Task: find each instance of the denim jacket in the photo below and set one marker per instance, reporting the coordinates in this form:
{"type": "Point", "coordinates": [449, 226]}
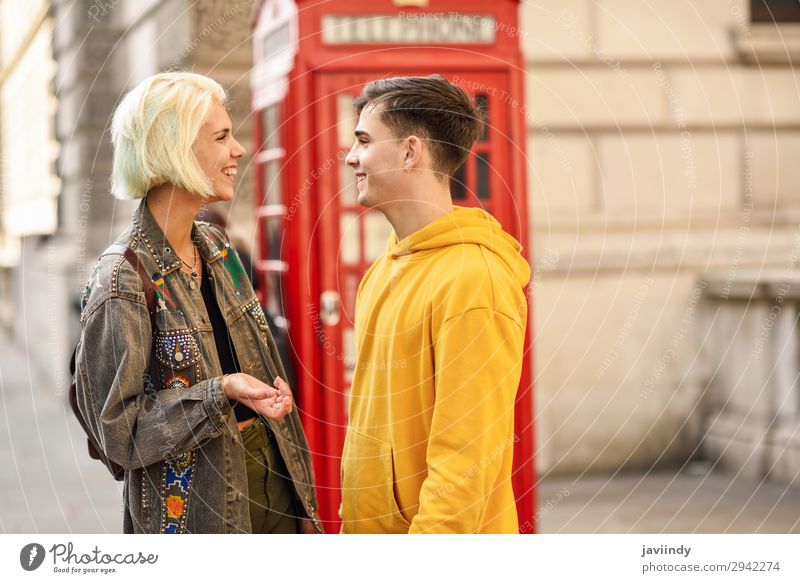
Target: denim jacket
{"type": "Point", "coordinates": [155, 401]}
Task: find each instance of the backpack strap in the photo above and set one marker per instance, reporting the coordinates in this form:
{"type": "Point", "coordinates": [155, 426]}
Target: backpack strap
{"type": "Point", "coordinates": [95, 449]}
{"type": "Point", "coordinates": [131, 257]}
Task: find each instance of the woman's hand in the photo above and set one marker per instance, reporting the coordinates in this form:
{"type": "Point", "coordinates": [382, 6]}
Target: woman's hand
{"type": "Point", "coordinates": [271, 402]}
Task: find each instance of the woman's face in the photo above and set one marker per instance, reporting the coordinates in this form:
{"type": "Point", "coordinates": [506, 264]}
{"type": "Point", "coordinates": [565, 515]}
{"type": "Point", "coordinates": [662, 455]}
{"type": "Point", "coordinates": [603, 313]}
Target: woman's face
{"type": "Point", "coordinates": [217, 152]}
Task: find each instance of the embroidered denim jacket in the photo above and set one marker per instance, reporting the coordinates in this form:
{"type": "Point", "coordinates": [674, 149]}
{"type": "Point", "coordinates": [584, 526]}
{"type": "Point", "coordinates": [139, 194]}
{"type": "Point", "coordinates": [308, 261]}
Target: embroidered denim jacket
{"type": "Point", "coordinates": [155, 401]}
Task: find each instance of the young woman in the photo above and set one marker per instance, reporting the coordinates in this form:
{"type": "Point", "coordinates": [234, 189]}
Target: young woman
{"type": "Point", "coordinates": [192, 405]}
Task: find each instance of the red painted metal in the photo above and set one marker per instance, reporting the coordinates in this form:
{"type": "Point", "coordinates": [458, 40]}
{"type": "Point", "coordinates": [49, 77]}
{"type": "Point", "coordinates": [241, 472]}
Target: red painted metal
{"type": "Point", "coordinates": [311, 238]}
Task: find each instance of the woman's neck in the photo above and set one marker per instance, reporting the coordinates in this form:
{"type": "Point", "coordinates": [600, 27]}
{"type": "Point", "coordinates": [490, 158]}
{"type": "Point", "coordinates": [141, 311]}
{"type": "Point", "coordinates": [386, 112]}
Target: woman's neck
{"type": "Point", "coordinates": [174, 209]}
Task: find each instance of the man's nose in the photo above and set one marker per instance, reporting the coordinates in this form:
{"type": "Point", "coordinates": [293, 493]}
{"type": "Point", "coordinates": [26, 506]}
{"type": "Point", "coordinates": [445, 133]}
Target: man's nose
{"type": "Point", "coordinates": [351, 159]}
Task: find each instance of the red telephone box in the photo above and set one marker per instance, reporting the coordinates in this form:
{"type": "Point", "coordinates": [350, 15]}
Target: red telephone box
{"type": "Point", "coordinates": [315, 243]}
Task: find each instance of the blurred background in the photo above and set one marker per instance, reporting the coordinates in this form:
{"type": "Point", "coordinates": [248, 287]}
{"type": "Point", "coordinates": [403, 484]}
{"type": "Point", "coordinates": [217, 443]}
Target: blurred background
{"type": "Point", "coordinates": [647, 154]}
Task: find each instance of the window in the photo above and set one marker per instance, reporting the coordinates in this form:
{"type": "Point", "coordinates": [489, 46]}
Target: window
{"type": "Point", "coordinates": [272, 209]}
{"type": "Point", "coordinates": [774, 11]}
{"type": "Point", "coordinates": [770, 37]}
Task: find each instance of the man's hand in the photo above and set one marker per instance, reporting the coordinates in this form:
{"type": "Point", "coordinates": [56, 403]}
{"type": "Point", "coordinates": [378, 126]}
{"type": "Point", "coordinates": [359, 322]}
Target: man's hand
{"type": "Point", "coordinates": [271, 402]}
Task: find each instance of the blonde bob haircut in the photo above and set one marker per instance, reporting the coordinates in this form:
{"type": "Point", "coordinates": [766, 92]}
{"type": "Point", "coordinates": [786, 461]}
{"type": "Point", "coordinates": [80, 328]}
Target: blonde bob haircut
{"type": "Point", "coordinates": [153, 132]}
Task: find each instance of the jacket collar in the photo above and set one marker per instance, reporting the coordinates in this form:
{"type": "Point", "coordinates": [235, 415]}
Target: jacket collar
{"type": "Point", "coordinates": [156, 242]}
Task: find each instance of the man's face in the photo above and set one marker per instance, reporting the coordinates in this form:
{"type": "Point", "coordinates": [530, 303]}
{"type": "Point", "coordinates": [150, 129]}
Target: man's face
{"type": "Point", "coordinates": [377, 159]}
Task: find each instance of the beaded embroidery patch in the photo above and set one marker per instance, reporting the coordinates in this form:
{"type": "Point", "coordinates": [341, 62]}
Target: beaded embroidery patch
{"type": "Point", "coordinates": [161, 289]}
{"type": "Point", "coordinates": [230, 259]}
{"type": "Point", "coordinates": [177, 381]}
{"type": "Point", "coordinates": [176, 480]}
{"type": "Point", "coordinates": [177, 350]}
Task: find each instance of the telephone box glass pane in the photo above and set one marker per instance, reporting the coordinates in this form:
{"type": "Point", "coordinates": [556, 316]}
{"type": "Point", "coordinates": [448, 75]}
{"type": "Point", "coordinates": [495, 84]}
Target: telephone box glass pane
{"type": "Point", "coordinates": [270, 130]}
{"type": "Point", "coordinates": [349, 237]}
{"type": "Point", "coordinates": [347, 119]}
{"type": "Point", "coordinates": [272, 182]}
{"type": "Point", "coordinates": [377, 231]}
{"type": "Point", "coordinates": [272, 228]}
{"type": "Point", "coordinates": [458, 184]}
{"type": "Point", "coordinates": [483, 103]}
{"type": "Point", "coordinates": [483, 175]}
{"type": "Point", "coordinates": [347, 185]}
{"type": "Point", "coordinates": [274, 306]}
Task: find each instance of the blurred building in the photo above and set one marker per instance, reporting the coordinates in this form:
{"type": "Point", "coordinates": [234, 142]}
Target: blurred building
{"type": "Point", "coordinates": [29, 185]}
{"type": "Point", "coordinates": [57, 211]}
{"type": "Point", "coordinates": [663, 175]}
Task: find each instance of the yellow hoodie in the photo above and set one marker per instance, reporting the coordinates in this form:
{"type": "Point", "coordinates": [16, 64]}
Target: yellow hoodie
{"type": "Point", "coordinates": [440, 326]}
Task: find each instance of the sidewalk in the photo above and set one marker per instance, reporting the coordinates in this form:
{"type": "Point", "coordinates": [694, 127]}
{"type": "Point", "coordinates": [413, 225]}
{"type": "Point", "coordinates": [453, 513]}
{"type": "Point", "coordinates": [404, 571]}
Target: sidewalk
{"type": "Point", "coordinates": [50, 485]}
{"type": "Point", "coordinates": [667, 502]}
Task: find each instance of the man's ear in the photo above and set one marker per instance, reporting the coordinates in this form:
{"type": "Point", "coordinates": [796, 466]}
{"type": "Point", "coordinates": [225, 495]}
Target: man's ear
{"type": "Point", "coordinates": [414, 151]}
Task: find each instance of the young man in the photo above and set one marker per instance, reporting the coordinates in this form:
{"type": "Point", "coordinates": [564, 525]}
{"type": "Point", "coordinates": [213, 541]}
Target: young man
{"type": "Point", "coordinates": [440, 323]}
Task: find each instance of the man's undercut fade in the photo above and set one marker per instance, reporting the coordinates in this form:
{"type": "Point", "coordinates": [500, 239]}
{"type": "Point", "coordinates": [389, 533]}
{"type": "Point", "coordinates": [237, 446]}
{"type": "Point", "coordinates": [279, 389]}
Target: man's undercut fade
{"type": "Point", "coordinates": [432, 108]}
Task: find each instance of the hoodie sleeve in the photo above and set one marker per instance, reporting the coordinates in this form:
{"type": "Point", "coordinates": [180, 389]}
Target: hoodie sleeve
{"type": "Point", "coordinates": [478, 365]}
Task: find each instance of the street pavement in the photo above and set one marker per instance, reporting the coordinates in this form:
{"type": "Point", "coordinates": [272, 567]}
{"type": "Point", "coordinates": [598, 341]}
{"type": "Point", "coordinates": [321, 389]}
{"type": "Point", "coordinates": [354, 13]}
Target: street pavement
{"type": "Point", "coordinates": [50, 485]}
{"type": "Point", "coordinates": [695, 500]}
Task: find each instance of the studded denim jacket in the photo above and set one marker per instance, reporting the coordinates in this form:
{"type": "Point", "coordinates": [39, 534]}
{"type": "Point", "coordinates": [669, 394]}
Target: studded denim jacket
{"type": "Point", "coordinates": [155, 401]}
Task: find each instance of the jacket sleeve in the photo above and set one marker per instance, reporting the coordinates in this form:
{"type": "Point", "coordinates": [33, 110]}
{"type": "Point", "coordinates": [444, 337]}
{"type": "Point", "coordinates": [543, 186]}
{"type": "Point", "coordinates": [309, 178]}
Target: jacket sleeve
{"type": "Point", "coordinates": [136, 424]}
{"type": "Point", "coordinates": [477, 370]}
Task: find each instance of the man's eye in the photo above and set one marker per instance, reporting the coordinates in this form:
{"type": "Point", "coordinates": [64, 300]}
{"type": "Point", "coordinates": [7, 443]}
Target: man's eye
{"type": "Point", "coordinates": [221, 139]}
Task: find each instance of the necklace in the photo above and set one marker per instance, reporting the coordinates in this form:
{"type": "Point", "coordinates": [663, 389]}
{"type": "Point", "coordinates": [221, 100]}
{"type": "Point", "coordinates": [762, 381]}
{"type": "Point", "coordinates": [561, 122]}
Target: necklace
{"type": "Point", "coordinates": [193, 281]}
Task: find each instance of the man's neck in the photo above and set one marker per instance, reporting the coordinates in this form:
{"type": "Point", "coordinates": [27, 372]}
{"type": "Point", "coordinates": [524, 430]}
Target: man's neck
{"type": "Point", "coordinates": [412, 214]}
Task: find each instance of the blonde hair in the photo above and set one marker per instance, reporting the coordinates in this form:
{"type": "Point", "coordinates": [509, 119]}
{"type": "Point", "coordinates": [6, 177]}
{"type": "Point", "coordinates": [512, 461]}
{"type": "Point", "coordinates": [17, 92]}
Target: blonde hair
{"type": "Point", "coordinates": [153, 130]}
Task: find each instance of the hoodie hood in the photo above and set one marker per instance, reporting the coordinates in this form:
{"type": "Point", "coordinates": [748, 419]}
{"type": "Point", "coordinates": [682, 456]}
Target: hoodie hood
{"type": "Point", "coordinates": [465, 225]}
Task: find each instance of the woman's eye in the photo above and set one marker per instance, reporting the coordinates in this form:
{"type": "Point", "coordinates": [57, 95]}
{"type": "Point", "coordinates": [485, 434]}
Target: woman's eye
{"type": "Point", "coordinates": [221, 139]}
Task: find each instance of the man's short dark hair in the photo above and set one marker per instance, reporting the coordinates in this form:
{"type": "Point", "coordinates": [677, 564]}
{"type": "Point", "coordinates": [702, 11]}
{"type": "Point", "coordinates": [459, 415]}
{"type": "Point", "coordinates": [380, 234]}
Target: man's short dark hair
{"type": "Point", "coordinates": [433, 109]}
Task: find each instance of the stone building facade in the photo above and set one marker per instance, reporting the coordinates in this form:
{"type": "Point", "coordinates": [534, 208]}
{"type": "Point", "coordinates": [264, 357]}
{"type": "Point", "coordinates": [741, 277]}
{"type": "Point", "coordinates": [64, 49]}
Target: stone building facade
{"type": "Point", "coordinates": [664, 145]}
{"type": "Point", "coordinates": [101, 49]}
